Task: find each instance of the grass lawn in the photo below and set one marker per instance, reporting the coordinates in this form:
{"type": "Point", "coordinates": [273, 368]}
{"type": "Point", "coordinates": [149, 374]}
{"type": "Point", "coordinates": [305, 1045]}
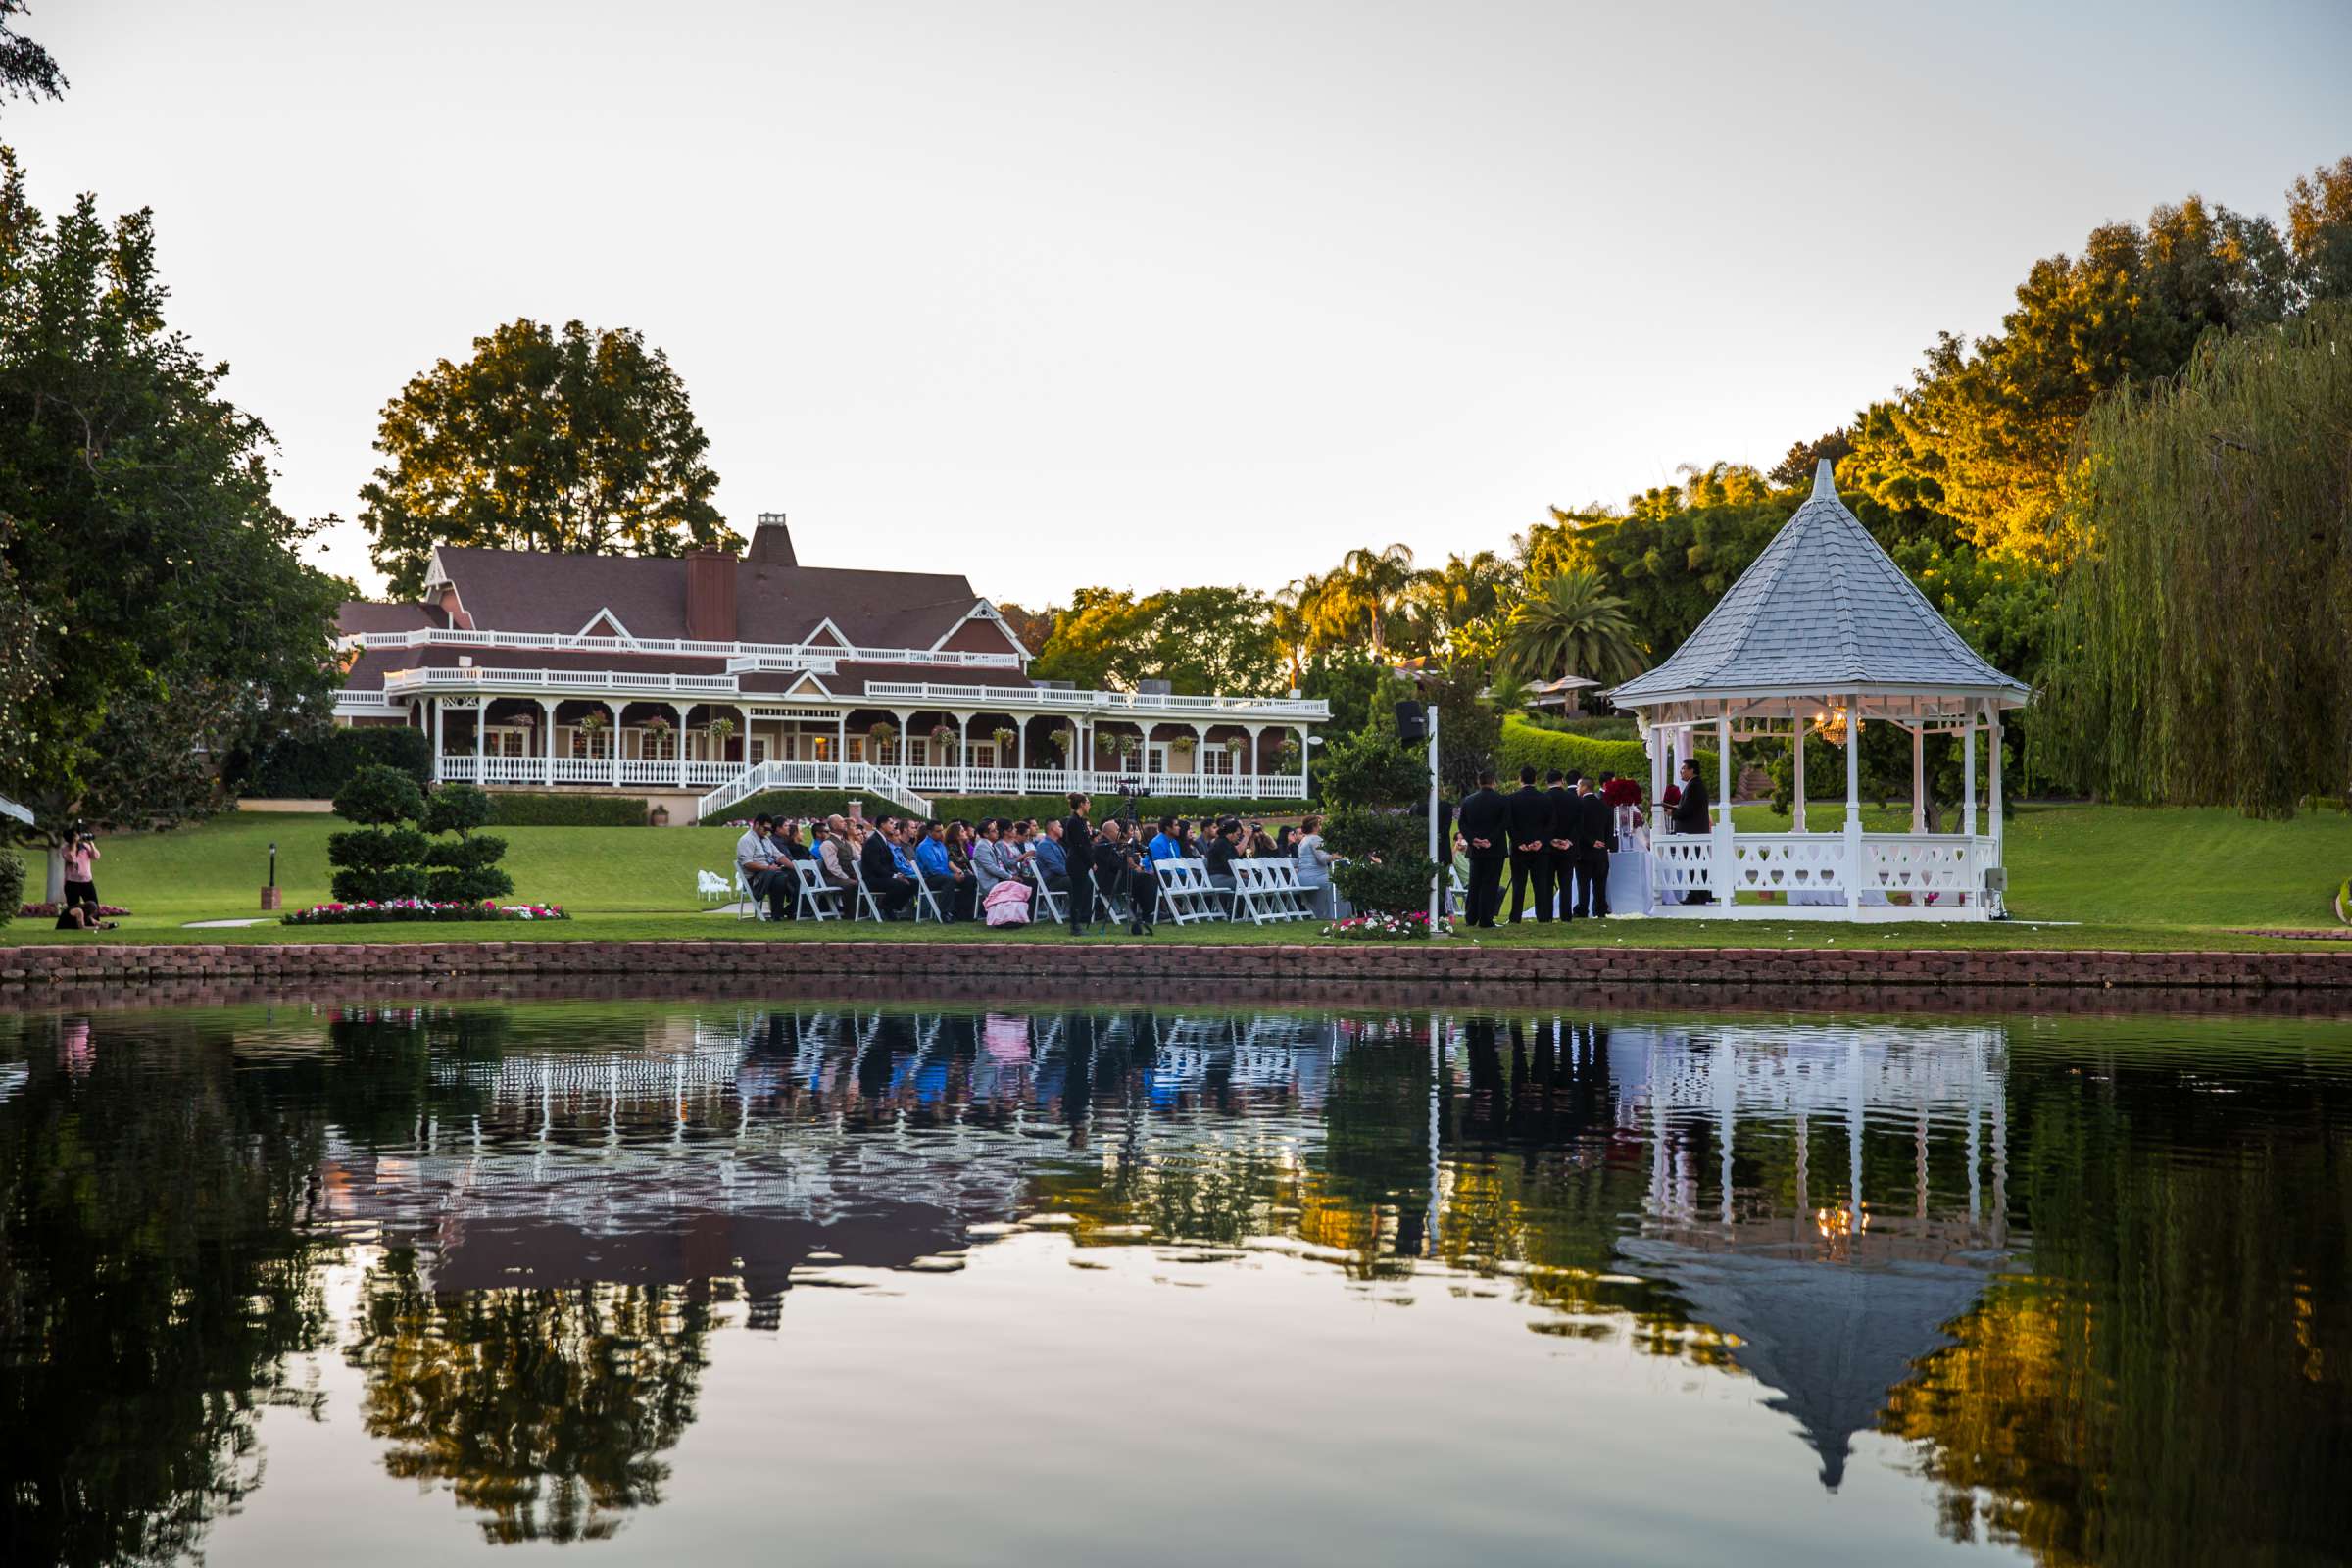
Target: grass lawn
{"type": "Point", "coordinates": [2124, 877]}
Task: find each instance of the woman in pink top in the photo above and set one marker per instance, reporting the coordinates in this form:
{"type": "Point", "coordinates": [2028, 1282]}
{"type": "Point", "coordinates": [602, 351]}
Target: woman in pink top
{"type": "Point", "coordinates": [82, 863]}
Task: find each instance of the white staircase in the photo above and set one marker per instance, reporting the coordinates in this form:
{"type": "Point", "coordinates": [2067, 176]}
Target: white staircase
{"type": "Point", "coordinates": [861, 777]}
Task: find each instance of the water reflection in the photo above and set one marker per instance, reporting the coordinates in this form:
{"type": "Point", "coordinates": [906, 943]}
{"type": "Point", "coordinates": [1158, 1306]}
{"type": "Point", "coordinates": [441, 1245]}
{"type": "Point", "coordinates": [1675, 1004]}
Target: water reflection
{"type": "Point", "coordinates": [2086, 1283]}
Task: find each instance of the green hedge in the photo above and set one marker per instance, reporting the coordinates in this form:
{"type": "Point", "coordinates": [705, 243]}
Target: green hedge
{"type": "Point", "coordinates": [1522, 744]}
{"type": "Point", "coordinates": [12, 885]}
{"type": "Point", "coordinates": [567, 811]}
{"type": "Point", "coordinates": [314, 767]}
{"type": "Point", "coordinates": [803, 803]}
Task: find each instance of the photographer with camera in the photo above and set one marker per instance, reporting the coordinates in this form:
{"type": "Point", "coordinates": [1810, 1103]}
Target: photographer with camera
{"type": "Point", "coordinates": [80, 909]}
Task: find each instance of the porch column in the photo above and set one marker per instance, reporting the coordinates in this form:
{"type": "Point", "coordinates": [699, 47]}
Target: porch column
{"type": "Point", "coordinates": [841, 748]}
{"type": "Point", "coordinates": [1919, 778]}
{"type": "Point", "coordinates": [616, 707]}
{"type": "Point", "coordinates": [1021, 754]}
{"type": "Point", "coordinates": [436, 701]}
{"type": "Point", "coordinates": [1256, 751]}
{"type": "Point", "coordinates": [547, 709]}
{"type": "Point", "coordinates": [681, 709]}
{"type": "Point", "coordinates": [1305, 752]}
{"type": "Point", "coordinates": [964, 753]}
{"type": "Point", "coordinates": [481, 721]}
{"type": "Point", "coordinates": [1200, 754]}
{"type": "Point", "coordinates": [1853, 803]}
{"type": "Point", "coordinates": [1720, 872]}
{"type": "Point", "coordinates": [1796, 804]}
{"type": "Point", "coordinates": [1968, 773]}
{"type": "Point", "coordinates": [1992, 789]}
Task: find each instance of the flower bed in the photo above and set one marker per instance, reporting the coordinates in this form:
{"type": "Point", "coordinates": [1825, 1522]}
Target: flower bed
{"type": "Point", "coordinates": [408, 909]}
{"type": "Point", "coordinates": [1412, 927]}
{"type": "Point", "coordinates": [48, 912]}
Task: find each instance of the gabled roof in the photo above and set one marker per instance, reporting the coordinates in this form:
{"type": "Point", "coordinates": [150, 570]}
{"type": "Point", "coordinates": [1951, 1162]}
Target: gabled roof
{"type": "Point", "coordinates": [1823, 610]}
{"type": "Point", "coordinates": [533, 591]}
{"type": "Point", "coordinates": [361, 614]}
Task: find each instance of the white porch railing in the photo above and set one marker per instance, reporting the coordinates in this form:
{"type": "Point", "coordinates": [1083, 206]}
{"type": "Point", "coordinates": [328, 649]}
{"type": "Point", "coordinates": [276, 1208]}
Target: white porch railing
{"type": "Point", "coordinates": [748, 655]}
{"type": "Point", "coordinates": [813, 776]}
{"type": "Point", "coordinates": [464, 768]}
{"type": "Point", "coordinates": [592, 682]}
{"type": "Point", "coordinates": [1815, 870]}
{"type": "Point", "coordinates": [997, 699]}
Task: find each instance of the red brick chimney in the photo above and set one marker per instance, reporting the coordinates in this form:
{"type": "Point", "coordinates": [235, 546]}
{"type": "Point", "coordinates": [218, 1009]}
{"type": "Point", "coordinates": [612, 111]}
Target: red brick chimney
{"type": "Point", "coordinates": [710, 596]}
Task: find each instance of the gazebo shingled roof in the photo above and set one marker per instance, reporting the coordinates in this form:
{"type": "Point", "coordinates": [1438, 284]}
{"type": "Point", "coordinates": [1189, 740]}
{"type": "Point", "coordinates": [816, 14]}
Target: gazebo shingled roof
{"type": "Point", "coordinates": [1821, 609]}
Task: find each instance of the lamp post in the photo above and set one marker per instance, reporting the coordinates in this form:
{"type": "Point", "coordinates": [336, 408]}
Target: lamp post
{"type": "Point", "coordinates": [270, 895]}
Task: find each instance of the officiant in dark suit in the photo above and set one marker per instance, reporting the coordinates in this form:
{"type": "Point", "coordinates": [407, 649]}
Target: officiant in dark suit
{"type": "Point", "coordinates": [1690, 816]}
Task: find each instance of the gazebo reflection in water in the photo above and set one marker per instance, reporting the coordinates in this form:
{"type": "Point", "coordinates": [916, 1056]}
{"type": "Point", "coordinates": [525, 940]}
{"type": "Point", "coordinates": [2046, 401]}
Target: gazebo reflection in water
{"type": "Point", "coordinates": [1819, 1198]}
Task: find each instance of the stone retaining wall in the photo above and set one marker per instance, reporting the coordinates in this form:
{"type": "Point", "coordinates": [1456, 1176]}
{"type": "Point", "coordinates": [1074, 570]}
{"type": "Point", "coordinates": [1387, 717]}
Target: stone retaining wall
{"type": "Point", "coordinates": [1088, 963]}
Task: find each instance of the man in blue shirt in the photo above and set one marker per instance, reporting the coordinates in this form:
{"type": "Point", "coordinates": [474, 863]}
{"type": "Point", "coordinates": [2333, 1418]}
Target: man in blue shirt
{"type": "Point", "coordinates": [1164, 845]}
{"type": "Point", "coordinates": [1053, 857]}
{"type": "Point", "coordinates": [950, 886]}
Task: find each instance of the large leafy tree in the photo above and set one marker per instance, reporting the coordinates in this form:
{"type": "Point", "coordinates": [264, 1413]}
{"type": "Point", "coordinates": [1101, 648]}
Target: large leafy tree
{"type": "Point", "coordinates": [165, 615]}
{"type": "Point", "coordinates": [577, 442]}
{"type": "Point", "coordinates": [1197, 639]}
{"type": "Point", "coordinates": [26, 69]}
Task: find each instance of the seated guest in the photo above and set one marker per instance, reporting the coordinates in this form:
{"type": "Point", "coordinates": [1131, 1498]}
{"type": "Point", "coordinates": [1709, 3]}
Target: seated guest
{"type": "Point", "coordinates": [990, 866]}
{"type": "Point", "coordinates": [879, 861]}
{"type": "Point", "coordinates": [1119, 867]}
{"type": "Point", "coordinates": [1164, 844]}
{"type": "Point", "coordinates": [949, 883]}
{"type": "Point", "coordinates": [1262, 843]}
{"type": "Point", "coordinates": [1050, 856]}
{"type": "Point", "coordinates": [1223, 848]}
{"type": "Point", "coordinates": [833, 852]}
{"type": "Point", "coordinates": [1315, 867]}
{"type": "Point", "coordinates": [766, 874]}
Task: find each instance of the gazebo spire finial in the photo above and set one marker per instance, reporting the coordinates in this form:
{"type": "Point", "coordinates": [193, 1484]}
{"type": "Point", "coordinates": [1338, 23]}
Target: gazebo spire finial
{"type": "Point", "coordinates": [1825, 488]}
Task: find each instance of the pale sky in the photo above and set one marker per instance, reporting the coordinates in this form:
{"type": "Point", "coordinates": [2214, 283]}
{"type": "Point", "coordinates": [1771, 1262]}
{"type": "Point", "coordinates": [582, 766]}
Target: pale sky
{"type": "Point", "coordinates": [1151, 295]}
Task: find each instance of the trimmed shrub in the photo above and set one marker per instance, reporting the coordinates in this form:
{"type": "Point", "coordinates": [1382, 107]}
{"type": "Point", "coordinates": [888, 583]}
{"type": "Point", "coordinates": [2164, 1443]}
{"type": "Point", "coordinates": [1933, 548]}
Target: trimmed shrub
{"type": "Point", "coordinates": [1375, 783]}
{"type": "Point", "coordinates": [12, 885]}
{"type": "Point", "coordinates": [801, 804]}
{"type": "Point", "coordinates": [314, 768]}
{"type": "Point", "coordinates": [1524, 744]}
{"type": "Point", "coordinates": [467, 872]}
{"type": "Point", "coordinates": [541, 810]}
{"type": "Point", "coordinates": [378, 795]}
{"type": "Point", "coordinates": [457, 809]}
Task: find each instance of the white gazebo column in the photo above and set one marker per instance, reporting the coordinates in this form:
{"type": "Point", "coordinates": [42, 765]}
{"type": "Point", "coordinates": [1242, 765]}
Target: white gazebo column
{"type": "Point", "coordinates": [1721, 878]}
{"type": "Point", "coordinates": [1968, 772]}
{"type": "Point", "coordinates": [547, 709]}
{"type": "Point", "coordinates": [436, 705]}
{"type": "Point", "coordinates": [1993, 789]}
{"type": "Point", "coordinates": [1853, 803]}
{"type": "Point", "coordinates": [1919, 778]}
{"type": "Point", "coordinates": [681, 709]}
{"type": "Point", "coordinates": [1796, 802]}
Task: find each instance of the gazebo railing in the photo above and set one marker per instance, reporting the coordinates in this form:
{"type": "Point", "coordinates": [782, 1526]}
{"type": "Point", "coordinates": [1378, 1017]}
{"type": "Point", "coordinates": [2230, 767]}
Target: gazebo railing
{"type": "Point", "coordinates": [1951, 867]}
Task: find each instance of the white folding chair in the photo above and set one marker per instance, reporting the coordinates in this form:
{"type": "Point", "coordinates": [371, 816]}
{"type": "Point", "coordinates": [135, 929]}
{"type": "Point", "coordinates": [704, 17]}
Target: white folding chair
{"type": "Point", "coordinates": [924, 899]}
{"type": "Point", "coordinates": [865, 894]}
{"type": "Point", "coordinates": [1048, 900]}
{"type": "Point", "coordinates": [816, 898]}
{"type": "Point", "coordinates": [748, 906]}
{"type": "Point", "coordinates": [710, 887]}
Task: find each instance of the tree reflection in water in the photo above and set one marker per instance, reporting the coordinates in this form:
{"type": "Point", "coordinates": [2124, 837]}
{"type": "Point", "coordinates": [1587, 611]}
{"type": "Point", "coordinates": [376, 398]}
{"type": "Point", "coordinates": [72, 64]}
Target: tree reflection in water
{"type": "Point", "coordinates": [153, 1283]}
{"type": "Point", "coordinates": [2102, 1283]}
{"type": "Point", "coordinates": [542, 1408]}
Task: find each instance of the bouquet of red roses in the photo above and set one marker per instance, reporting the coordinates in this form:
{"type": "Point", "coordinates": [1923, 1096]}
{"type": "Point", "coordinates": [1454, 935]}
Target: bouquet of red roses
{"type": "Point", "coordinates": [1621, 792]}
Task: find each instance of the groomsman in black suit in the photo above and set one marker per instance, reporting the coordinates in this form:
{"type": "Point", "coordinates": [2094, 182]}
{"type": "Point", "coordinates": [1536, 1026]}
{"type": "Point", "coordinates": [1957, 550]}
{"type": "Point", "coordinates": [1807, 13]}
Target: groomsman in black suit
{"type": "Point", "coordinates": [1559, 837]}
{"type": "Point", "coordinates": [1595, 827]}
{"type": "Point", "coordinates": [1482, 822]}
{"type": "Point", "coordinates": [1529, 816]}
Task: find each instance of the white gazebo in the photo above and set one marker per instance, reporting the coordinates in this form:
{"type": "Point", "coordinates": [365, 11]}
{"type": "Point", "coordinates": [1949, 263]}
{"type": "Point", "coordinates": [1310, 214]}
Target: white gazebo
{"type": "Point", "coordinates": [1825, 634]}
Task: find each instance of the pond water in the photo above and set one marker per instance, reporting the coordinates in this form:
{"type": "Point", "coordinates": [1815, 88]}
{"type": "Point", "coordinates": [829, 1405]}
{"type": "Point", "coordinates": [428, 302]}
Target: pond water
{"type": "Point", "coordinates": [831, 1281]}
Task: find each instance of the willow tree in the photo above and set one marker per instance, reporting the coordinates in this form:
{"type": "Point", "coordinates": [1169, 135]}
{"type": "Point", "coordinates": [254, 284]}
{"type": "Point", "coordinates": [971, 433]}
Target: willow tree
{"type": "Point", "coordinates": [2203, 651]}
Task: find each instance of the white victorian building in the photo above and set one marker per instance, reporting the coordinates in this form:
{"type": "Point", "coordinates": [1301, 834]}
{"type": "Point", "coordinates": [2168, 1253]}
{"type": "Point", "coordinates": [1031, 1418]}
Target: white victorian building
{"type": "Point", "coordinates": [1824, 634]}
{"type": "Point", "coordinates": [700, 681]}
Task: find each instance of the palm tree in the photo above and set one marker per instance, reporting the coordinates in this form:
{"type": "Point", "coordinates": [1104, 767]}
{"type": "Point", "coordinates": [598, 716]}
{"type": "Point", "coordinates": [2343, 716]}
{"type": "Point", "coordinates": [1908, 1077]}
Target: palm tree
{"type": "Point", "coordinates": [1375, 581]}
{"type": "Point", "coordinates": [1569, 625]}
